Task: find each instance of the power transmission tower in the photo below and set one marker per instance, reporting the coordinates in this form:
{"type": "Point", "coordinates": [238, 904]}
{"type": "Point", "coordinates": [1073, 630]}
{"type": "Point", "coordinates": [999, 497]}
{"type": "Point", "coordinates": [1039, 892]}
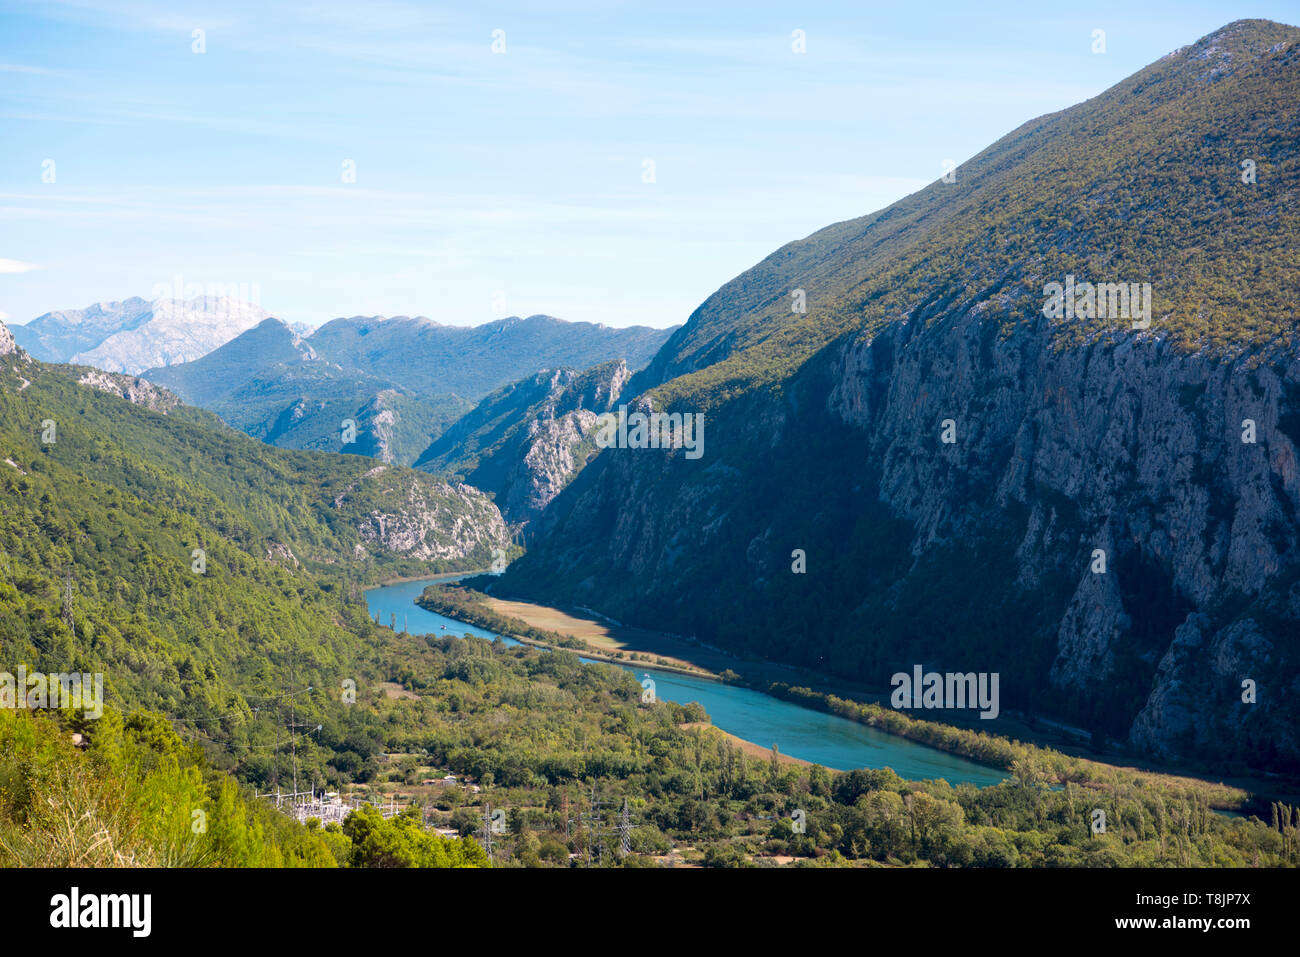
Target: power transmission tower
{"type": "Point", "coordinates": [486, 839]}
{"type": "Point", "coordinates": [293, 725]}
{"type": "Point", "coordinates": [275, 759]}
{"type": "Point", "coordinates": [593, 820]}
{"type": "Point", "coordinates": [624, 829]}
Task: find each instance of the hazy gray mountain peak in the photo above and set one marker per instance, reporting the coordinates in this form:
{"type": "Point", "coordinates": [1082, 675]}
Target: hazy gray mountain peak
{"type": "Point", "coordinates": [135, 334]}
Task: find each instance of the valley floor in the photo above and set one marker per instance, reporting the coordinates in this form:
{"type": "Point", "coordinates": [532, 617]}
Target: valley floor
{"type": "Point", "coordinates": [617, 643]}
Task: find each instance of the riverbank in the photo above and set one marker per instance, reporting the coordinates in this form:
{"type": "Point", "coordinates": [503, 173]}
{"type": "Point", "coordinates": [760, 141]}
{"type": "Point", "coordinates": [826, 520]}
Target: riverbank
{"type": "Point", "coordinates": [827, 740]}
{"type": "Point", "coordinates": [442, 577]}
{"type": "Point", "coordinates": [1043, 741]}
{"type": "Point", "coordinates": [548, 629]}
{"type": "Point", "coordinates": [750, 748]}
{"type": "Point", "coordinates": [605, 640]}
{"type": "Point", "coordinates": [1039, 746]}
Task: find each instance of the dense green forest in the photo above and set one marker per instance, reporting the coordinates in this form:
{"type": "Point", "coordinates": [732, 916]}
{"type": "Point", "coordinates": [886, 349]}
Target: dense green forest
{"type": "Point", "coordinates": [239, 676]}
{"type": "Point", "coordinates": [542, 735]}
{"type": "Point", "coordinates": [207, 577]}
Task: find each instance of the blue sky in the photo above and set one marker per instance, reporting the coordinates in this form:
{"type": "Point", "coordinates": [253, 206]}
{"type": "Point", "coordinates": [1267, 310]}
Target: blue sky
{"type": "Point", "coordinates": [491, 184]}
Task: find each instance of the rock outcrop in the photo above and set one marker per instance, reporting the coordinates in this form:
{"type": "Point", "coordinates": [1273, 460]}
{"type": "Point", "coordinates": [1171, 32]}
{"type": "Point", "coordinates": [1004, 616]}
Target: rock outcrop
{"type": "Point", "coordinates": [524, 444]}
{"type": "Point", "coordinates": [131, 388]}
{"type": "Point", "coordinates": [407, 513]}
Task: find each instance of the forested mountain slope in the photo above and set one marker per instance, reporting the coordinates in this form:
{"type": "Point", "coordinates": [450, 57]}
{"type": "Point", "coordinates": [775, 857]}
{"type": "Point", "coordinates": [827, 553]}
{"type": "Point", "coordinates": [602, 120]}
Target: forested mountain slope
{"type": "Point", "coordinates": [471, 361]}
{"type": "Point", "coordinates": [201, 572]}
{"type": "Point", "coordinates": [270, 383]}
{"type": "Point", "coordinates": [951, 459]}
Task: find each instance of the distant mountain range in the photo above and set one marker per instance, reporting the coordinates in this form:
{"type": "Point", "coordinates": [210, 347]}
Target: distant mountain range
{"type": "Point", "coordinates": [912, 457]}
{"type": "Point", "coordinates": [137, 334]}
{"type": "Point", "coordinates": [398, 381]}
{"type": "Point", "coordinates": [471, 361]}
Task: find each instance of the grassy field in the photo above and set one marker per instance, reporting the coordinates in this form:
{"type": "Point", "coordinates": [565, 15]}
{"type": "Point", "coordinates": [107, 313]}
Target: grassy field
{"type": "Point", "coordinates": [609, 639]}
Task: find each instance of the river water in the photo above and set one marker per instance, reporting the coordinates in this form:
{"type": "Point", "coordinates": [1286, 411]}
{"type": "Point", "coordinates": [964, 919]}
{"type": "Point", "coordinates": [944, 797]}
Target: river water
{"type": "Point", "coordinates": [800, 732]}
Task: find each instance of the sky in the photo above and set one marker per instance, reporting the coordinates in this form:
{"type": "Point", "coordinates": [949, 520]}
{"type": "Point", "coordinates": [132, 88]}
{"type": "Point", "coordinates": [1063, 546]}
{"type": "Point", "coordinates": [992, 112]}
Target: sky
{"type": "Point", "coordinates": [603, 162]}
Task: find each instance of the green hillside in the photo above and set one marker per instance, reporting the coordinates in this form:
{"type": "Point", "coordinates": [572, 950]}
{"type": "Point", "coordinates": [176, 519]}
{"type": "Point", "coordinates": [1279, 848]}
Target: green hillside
{"type": "Point", "coordinates": [269, 383]}
{"type": "Point", "coordinates": [1140, 184]}
{"type": "Point", "coordinates": [1071, 435]}
{"type": "Point", "coordinates": [114, 509]}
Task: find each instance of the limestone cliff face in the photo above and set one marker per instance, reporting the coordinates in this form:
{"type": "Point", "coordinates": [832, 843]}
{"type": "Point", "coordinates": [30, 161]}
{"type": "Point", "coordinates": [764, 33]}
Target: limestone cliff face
{"type": "Point", "coordinates": [7, 344]}
{"type": "Point", "coordinates": [407, 513]}
{"type": "Point", "coordinates": [559, 440]}
{"type": "Point", "coordinates": [551, 459]}
{"type": "Point", "coordinates": [526, 443]}
{"type": "Point", "coordinates": [1097, 531]}
{"type": "Point", "coordinates": [132, 388]}
{"type": "Point", "coordinates": [1176, 470]}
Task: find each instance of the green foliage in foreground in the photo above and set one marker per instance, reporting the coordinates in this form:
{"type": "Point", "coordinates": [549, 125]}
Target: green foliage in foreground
{"type": "Point", "coordinates": [138, 796]}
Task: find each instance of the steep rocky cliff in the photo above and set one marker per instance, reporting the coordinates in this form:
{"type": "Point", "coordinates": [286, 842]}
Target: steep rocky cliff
{"type": "Point", "coordinates": [930, 467]}
{"type": "Point", "coordinates": [402, 512]}
{"type": "Point", "coordinates": [132, 388]}
{"type": "Point", "coordinates": [524, 443]}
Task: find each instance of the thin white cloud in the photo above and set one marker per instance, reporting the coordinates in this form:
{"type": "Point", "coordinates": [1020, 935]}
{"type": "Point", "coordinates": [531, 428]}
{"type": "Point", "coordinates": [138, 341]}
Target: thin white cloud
{"type": "Point", "coordinates": [16, 265]}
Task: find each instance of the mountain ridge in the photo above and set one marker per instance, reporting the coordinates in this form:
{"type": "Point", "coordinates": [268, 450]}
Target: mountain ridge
{"type": "Point", "coordinates": [399, 381]}
{"type": "Point", "coordinates": [1065, 436]}
{"type": "Point", "coordinates": [856, 272]}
